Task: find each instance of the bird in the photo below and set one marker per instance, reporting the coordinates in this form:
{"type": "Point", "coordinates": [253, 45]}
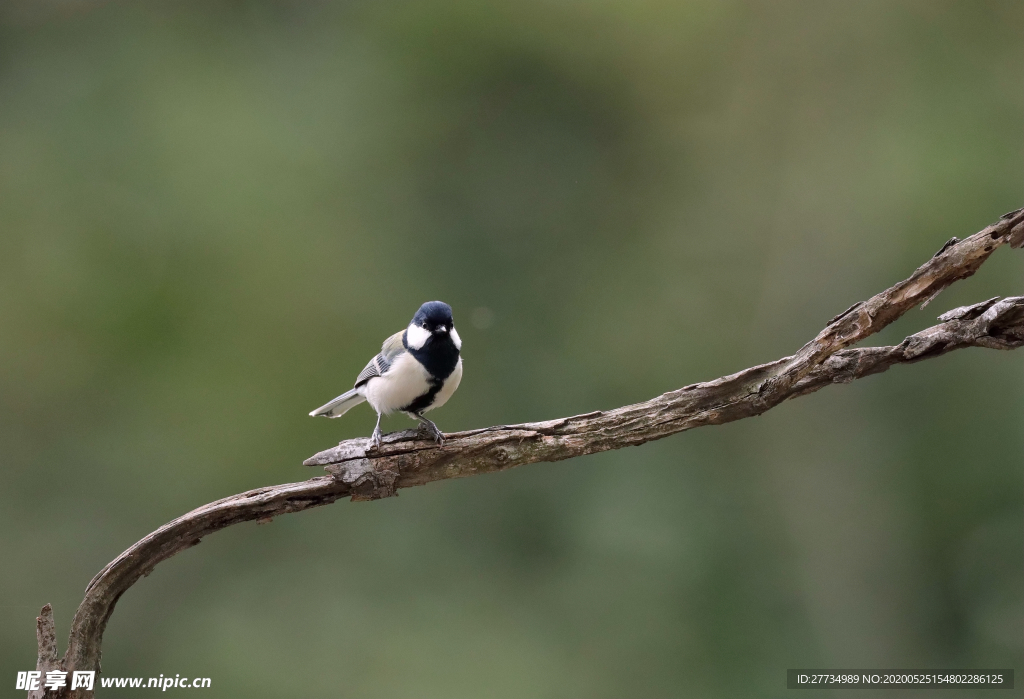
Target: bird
{"type": "Point", "coordinates": [417, 370]}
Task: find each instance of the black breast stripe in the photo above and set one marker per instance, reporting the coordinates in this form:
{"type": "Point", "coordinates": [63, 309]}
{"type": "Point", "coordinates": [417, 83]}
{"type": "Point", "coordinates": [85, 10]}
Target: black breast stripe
{"type": "Point", "coordinates": [439, 356]}
{"type": "Point", "coordinates": [426, 400]}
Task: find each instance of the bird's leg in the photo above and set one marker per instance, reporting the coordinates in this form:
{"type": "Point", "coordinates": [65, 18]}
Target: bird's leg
{"type": "Point", "coordinates": [376, 437]}
{"type": "Point", "coordinates": [431, 429]}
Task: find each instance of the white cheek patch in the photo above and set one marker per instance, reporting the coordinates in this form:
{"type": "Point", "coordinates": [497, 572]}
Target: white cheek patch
{"type": "Point", "coordinates": [416, 336]}
{"type": "Point", "coordinates": [456, 339]}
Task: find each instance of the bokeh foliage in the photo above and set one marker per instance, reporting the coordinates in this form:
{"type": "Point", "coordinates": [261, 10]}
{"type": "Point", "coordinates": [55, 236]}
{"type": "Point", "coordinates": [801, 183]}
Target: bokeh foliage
{"type": "Point", "coordinates": [211, 213]}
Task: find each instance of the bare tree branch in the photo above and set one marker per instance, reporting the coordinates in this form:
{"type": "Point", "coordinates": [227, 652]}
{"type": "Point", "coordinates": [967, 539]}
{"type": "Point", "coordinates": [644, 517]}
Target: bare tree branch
{"type": "Point", "coordinates": [406, 459]}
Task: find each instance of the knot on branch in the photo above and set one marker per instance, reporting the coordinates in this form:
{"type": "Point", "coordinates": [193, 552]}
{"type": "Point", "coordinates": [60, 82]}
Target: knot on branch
{"type": "Point", "coordinates": [366, 481]}
{"type": "Point", "coordinates": [968, 312]}
{"type": "Point", "coordinates": [1003, 324]}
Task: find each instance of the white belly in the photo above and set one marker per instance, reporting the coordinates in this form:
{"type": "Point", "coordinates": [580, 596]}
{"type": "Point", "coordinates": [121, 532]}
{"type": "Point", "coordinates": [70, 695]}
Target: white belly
{"type": "Point", "coordinates": [403, 383]}
{"type": "Point", "coordinates": [449, 386]}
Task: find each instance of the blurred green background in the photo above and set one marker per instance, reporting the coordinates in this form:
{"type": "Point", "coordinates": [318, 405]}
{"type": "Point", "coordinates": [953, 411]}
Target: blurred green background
{"type": "Point", "coordinates": [211, 214]}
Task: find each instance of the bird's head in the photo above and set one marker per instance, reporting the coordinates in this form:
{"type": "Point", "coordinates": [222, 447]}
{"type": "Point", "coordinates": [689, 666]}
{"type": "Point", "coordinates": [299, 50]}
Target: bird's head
{"type": "Point", "coordinates": [435, 317]}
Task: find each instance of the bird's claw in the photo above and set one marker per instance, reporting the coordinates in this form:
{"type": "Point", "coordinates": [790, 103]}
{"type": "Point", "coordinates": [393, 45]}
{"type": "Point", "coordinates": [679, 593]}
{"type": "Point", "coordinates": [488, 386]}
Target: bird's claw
{"type": "Point", "coordinates": [432, 431]}
{"type": "Point", "coordinates": [375, 439]}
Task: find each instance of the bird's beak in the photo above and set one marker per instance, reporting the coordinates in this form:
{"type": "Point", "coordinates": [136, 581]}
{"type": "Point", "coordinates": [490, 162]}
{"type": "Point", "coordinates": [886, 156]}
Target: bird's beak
{"type": "Point", "coordinates": [441, 329]}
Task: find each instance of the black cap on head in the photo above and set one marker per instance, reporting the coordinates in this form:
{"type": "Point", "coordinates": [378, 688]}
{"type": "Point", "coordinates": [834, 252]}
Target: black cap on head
{"type": "Point", "coordinates": [434, 314]}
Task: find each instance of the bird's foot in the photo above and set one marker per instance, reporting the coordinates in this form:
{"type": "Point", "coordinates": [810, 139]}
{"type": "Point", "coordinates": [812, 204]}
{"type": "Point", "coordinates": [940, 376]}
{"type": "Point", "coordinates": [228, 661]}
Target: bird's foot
{"type": "Point", "coordinates": [431, 430]}
{"type": "Point", "coordinates": [375, 438]}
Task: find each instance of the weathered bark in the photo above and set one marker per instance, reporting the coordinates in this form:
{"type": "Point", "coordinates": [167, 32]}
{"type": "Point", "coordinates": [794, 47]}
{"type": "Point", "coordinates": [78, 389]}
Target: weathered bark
{"type": "Point", "coordinates": [406, 459]}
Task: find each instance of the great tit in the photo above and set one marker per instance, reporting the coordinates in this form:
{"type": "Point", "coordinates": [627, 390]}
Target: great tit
{"type": "Point", "coordinates": [418, 369]}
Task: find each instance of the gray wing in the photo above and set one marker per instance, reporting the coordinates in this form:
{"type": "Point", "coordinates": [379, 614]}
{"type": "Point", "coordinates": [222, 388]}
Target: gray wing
{"type": "Point", "coordinates": [389, 351]}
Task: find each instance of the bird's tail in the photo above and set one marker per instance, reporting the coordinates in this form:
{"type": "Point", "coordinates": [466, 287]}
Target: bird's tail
{"type": "Point", "coordinates": [340, 405]}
